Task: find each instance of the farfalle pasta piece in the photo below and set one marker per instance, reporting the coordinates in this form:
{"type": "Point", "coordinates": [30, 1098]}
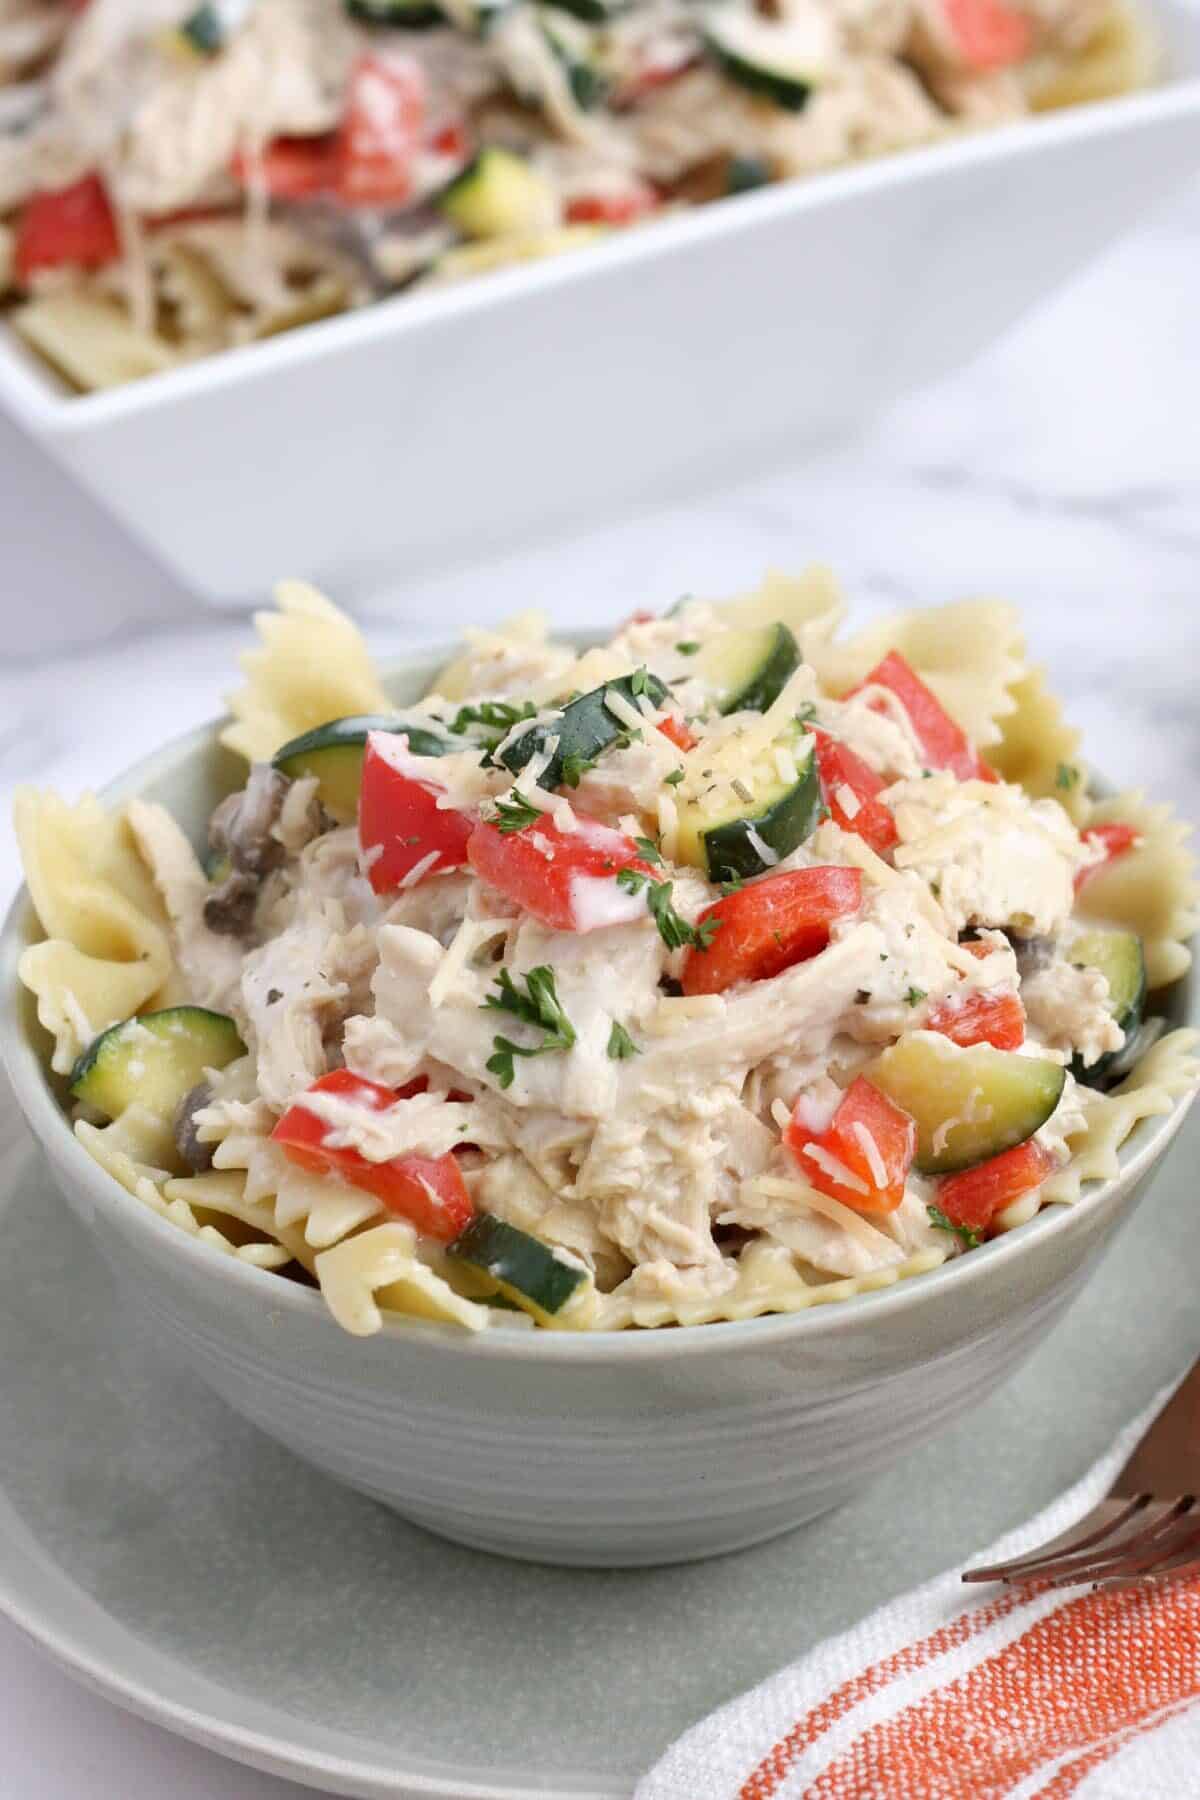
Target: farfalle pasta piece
{"type": "Point", "coordinates": [1150, 889]}
{"type": "Point", "coordinates": [380, 1268]}
{"type": "Point", "coordinates": [1038, 750]}
{"type": "Point", "coordinates": [138, 1151]}
{"type": "Point", "coordinates": [312, 666]}
{"type": "Point", "coordinates": [969, 653]}
{"type": "Point", "coordinates": [1167, 1071]}
{"type": "Point", "coordinates": [107, 951]}
{"type": "Point", "coordinates": [809, 604]}
{"type": "Point", "coordinates": [90, 341]}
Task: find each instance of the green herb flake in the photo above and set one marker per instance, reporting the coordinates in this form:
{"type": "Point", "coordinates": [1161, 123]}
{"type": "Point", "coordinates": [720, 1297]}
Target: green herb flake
{"type": "Point", "coordinates": [620, 1045]}
{"type": "Point", "coordinates": [733, 887]}
{"type": "Point", "coordinates": [689, 647]}
{"type": "Point", "coordinates": [637, 682]}
{"type": "Point", "coordinates": [804, 715]}
{"type": "Point", "coordinates": [674, 930]}
{"type": "Point", "coordinates": [971, 1240]}
{"type": "Point", "coordinates": [915, 995]}
{"type": "Point", "coordinates": [514, 813]}
{"type": "Point", "coordinates": [1066, 775]}
{"type": "Point", "coordinates": [674, 778]}
{"type": "Point", "coordinates": [538, 1006]}
{"type": "Point", "coordinates": [575, 767]}
{"type": "Point", "coordinates": [649, 849]}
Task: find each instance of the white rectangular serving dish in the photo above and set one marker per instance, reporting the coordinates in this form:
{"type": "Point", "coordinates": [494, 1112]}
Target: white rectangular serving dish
{"type": "Point", "coordinates": [432, 428]}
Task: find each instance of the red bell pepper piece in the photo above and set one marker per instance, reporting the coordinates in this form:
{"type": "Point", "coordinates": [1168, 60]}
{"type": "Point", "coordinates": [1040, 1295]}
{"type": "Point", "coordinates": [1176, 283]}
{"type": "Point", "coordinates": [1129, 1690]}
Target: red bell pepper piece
{"type": "Point", "coordinates": [973, 1198]}
{"type": "Point", "coordinates": [980, 1018]}
{"type": "Point", "coordinates": [567, 879]}
{"type": "Point", "coordinates": [400, 822]}
{"type": "Point", "coordinates": [1115, 838]}
{"type": "Point", "coordinates": [632, 203]}
{"type": "Point", "coordinates": [428, 1191]}
{"type": "Point", "coordinates": [862, 1154]}
{"type": "Point", "coordinates": [66, 227]}
{"type": "Point", "coordinates": [679, 732]}
{"type": "Point", "coordinates": [290, 168]}
{"type": "Point", "coordinates": [988, 34]}
{"type": "Point", "coordinates": [839, 767]}
{"type": "Point", "coordinates": [767, 927]}
{"type": "Point", "coordinates": [944, 744]}
{"type": "Point", "coordinates": [381, 131]}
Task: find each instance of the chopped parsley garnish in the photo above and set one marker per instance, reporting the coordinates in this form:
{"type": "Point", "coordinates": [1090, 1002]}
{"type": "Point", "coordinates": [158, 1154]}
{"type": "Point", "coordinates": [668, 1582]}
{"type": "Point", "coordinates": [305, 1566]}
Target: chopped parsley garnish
{"type": "Point", "coordinates": [649, 849]}
{"type": "Point", "coordinates": [638, 681]}
{"type": "Point", "coordinates": [538, 1006]}
{"type": "Point", "coordinates": [971, 1239]}
{"type": "Point", "coordinates": [806, 713]}
{"type": "Point", "coordinates": [496, 716]}
{"type": "Point", "coordinates": [514, 813]}
{"type": "Point", "coordinates": [674, 931]}
{"type": "Point", "coordinates": [620, 1045]}
{"type": "Point", "coordinates": [574, 767]}
{"type": "Point", "coordinates": [674, 778]}
{"type": "Point", "coordinates": [1066, 775]}
{"type": "Point", "coordinates": [688, 648]}
{"type": "Point", "coordinates": [915, 995]}
{"type": "Point", "coordinates": [733, 887]}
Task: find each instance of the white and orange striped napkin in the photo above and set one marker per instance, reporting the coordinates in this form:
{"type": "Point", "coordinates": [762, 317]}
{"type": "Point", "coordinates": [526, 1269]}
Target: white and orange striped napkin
{"type": "Point", "coordinates": [960, 1693]}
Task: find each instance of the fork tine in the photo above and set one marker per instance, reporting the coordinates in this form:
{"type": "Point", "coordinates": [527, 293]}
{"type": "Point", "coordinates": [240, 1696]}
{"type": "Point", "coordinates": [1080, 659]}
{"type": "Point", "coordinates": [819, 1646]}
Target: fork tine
{"type": "Point", "coordinates": [1161, 1534]}
{"type": "Point", "coordinates": [1094, 1528]}
{"type": "Point", "coordinates": [1182, 1562]}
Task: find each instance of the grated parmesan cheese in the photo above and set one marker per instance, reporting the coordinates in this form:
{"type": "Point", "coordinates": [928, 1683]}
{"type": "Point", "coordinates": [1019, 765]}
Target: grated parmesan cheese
{"type": "Point", "coordinates": [470, 937]}
{"type": "Point", "coordinates": [835, 1168]}
{"type": "Point", "coordinates": [419, 869]}
{"type": "Point", "coordinates": [781, 1113]}
{"type": "Point", "coordinates": [870, 1150]}
{"type": "Point", "coordinates": [773, 1187]}
{"type": "Point", "coordinates": [848, 800]}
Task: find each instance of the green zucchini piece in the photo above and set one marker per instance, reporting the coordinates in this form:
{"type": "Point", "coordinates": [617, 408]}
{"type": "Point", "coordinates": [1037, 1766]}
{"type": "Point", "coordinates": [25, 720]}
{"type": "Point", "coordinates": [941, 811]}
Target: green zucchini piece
{"type": "Point", "coordinates": [1118, 956]}
{"type": "Point", "coordinates": [724, 835]}
{"type": "Point", "coordinates": [592, 12]}
{"type": "Point", "coordinates": [155, 1059]}
{"type": "Point", "coordinates": [779, 61]}
{"type": "Point", "coordinates": [408, 15]}
{"type": "Point", "coordinates": [204, 29]}
{"type": "Point", "coordinates": [499, 195]}
{"type": "Point", "coordinates": [747, 669]}
{"type": "Point", "coordinates": [571, 48]}
{"type": "Point", "coordinates": [584, 729]}
{"type": "Point", "coordinates": [969, 1105]}
{"type": "Point", "coordinates": [520, 1267]}
{"type": "Point", "coordinates": [334, 754]}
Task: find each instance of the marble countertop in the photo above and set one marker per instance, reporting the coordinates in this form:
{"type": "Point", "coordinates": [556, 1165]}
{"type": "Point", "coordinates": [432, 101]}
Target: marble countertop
{"type": "Point", "coordinates": [1061, 471]}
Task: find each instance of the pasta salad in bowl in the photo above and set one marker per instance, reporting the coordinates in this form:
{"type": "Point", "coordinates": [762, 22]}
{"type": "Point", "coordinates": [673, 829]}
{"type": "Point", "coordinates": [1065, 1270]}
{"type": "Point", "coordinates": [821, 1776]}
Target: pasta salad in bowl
{"type": "Point", "coordinates": [695, 977]}
{"type": "Point", "coordinates": [178, 178]}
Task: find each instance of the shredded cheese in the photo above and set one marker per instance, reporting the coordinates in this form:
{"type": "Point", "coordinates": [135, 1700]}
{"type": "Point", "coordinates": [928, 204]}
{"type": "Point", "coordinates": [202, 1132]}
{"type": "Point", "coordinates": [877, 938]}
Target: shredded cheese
{"type": "Point", "coordinates": [419, 869]}
{"type": "Point", "coordinates": [835, 1168]}
{"type": "Point", "coordinates": [470, 937]}
{"type": "Point", "coordinates": [772, 1187]}
{"type": "Point", "coordinates": [870, 1150]}
{"type": "Point", "coordinates": [848, 800]}
{"type": "Point", "coordinates": [623, 709]}
{"type": "Point", "coordinates": [668, 826]}
{"type": "Point", "coordinates": [781, 1113]}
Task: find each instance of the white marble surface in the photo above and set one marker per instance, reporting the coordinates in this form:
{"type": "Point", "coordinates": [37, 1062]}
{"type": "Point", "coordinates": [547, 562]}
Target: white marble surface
{"type": "Point", "coordinates": [1063, 471]}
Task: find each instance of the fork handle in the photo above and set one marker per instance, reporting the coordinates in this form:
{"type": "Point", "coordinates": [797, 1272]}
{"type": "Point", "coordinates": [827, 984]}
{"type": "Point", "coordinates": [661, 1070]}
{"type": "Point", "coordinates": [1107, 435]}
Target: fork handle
{"type": "Point", "coordinates": [1167, 1461]}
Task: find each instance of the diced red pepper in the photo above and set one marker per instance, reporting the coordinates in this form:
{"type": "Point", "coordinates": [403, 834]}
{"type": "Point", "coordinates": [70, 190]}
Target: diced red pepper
{"type": "Point", "coordinates": [381, 130]}
{"type": "Point", "coordinates": [839, 767]}
{"type": "Point", "coordinates": [862, 1155]}
{"type": "Point", "coordinates": [632, 203]}
{"type": "Point", "coordinates": [450, 141]}
{"type": "Point", "coordinates": [973, 1198]}
{"type": "Point", "coordinates": [1115, 839]}
{"type": "Point", "coordinates": [988, 34]}
{"type": "Point", "coordinates": [428, 1191]}
{"type": "Point", "coordinates": [980, 1018]}
{"type": "Point", "coordinates": [656, 72]}
{"type": "Point", "coordinates": [944, 744]}
{"type": "Point", "coordinates": [567, 879]}
{"type": "Point", "coordinates": [400, 822]}
{"type": "Point", "coordinates": [290, 168]}
{"type": "Point", "coordinates": [765, 928]}
{"type": "Point", "coordinates": [679, 732]}
{"type": "Point", "coordinates": [368, 160]}
{"type": "Point", "coordinates": [67, 227]}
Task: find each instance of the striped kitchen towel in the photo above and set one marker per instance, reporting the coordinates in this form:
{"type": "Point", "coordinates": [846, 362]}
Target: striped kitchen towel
{"type": "Point", "coordinates": [959, 1693]}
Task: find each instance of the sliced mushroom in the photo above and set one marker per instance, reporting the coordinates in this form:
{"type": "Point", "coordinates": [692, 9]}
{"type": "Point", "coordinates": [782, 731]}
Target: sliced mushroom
{"type": "Point", "coordinates": [196, 1156]}
{"type": "Point", "coordinates": [241, 827]}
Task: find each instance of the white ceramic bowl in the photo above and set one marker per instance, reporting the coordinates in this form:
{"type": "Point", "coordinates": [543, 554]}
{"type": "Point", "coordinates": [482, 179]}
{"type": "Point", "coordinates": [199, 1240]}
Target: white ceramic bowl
{"type": "Point", "coordinates": [435, 427]}
{"type": "Point", "coordinates": [610, 1449]}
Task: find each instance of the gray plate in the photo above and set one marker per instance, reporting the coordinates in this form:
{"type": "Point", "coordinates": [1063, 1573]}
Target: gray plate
{"type": "Point", "coordinates": [190, 1570]}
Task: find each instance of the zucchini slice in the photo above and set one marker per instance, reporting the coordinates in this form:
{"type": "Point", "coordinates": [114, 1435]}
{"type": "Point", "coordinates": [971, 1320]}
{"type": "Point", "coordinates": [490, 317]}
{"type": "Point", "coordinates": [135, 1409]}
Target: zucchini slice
{"type": "Point", "coordinates": [592, 12]}
{"type": "Point", "coordinates": [782, 62]}
{"type": "Point", "coordinates": [969, 1105]}
{"type": "Point", "coordinates": [746, 669]}
{"type": "Point", "coordinates": [499, 195]}
{"type": "Point", "coordinates": [334, 754]}
{"type": "Point", "coordinates": [729, 837]}
{"type": "Point", "coordinates": [585, 729]}
{"type": "Point", "coordinates": [1119, 958]}
{"type": "Point", "coordinates": [408, 15]}
{"type": "Point", "coordinates": [154, 1060]}
{"type": "Point", "coordinates": [519, 1267]}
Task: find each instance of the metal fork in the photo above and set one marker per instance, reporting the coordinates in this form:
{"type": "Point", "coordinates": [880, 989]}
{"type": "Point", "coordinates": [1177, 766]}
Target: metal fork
{"type": "Point", "coordinates": [1147, 1530]}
